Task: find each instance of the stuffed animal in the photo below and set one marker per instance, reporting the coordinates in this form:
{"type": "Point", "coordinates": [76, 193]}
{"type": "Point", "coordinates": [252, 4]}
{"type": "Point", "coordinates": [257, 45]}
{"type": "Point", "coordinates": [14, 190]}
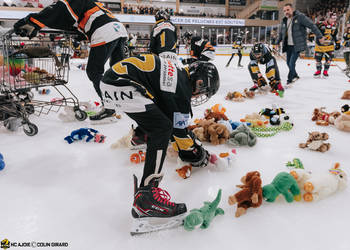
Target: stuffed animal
{"type": "Point", "coordinates": [323, 118]}
{"type": "Point", "coordinates": [124, 142]}
{"type": "Point", "coordinates": [138, 157]}
{"type": "Point", "coordinates": [216, 115]}
{"type": "Point", "coordinates": [227, 125]}
{"type": "Point", "coordinates": [274, 115]}
{"type": "Point", "coordinates": [346, 95]}
{"type": "Point", "coordinates": [185, 171]}
{"type": "Point", "coordinates": [218, 108]}
{"type": "Point", "coordinates": [235, 96]}
{"type": "Point", "coordinates": [218, 134]}
{"type": "Point", "coordinates": [249, 94]}
{"type": "Point", "coordinates": [89, 107]}
{"type": "Point", "coordinates": [284, 184]}
{"type": "Point", "coordinates": [201, 128]}
{"type": "Point", "coordinates": [255, 120]}
{"type": "Point", "coordinates": [317, 186]}
{"type": "Point", "coordinates": [316, 142]}
{"type": "Point", "coordinates": [242, 136]}
{"type": "Point", "coordinates": [345, 109]}
{"type": "Point", "coordinates": [223, 160]}
{"type": "Point", "coordinates": [204, 215]}
{"type": "Point", "coordinates": [250, 195]}
{"type": "Point", "coordinates": [343, 122]}
{"type": "Point", "coordinates": [81, 133]}
{"type": "Point", "coordinates": [295, 163]}
{"type": "Point", "coordinates": [2, 162]}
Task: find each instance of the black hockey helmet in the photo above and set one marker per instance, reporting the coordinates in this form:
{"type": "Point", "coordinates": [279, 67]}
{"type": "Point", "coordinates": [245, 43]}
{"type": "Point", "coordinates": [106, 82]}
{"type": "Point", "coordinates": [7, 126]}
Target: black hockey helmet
{"type": "Point", "coordinates": [162, 14]}
{"type": "Point", "coordinates": [258, 50]}
{"type": "Point", "coordinates": [188, 35]}
{"type": "Point", "coordinates": [205, 81]}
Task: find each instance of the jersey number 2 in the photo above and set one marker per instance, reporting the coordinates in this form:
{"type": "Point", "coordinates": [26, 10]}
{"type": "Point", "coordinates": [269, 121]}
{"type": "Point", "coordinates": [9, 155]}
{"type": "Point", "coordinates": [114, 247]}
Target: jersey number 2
{"type": "Point", "coordinates": [145, 65]}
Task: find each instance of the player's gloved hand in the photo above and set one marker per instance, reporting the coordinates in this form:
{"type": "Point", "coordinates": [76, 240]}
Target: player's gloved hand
{"type": "Point", "coordinates": [188, 60]}
{"type": "Point", "coordinates": [261, 82]}
{"type": "Point", "coordinates": [197, 156]}
{"type": "Point", "coordinates": [24, 27]}
{"type": "Point", "coordinates": [337, 46]}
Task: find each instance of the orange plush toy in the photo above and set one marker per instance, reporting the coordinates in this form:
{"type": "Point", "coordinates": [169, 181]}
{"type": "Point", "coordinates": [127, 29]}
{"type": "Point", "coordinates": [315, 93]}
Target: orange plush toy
{"type": "Point", "coordinates": [250, 195]}
{"type": "Point", "coordinates": [185, 171]}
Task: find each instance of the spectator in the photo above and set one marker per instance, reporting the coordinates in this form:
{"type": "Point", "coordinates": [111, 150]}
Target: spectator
{"type": "Point", "coordinates": [293, 35]}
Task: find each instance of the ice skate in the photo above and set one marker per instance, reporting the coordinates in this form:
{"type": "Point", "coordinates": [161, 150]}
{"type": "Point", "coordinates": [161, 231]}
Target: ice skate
{"type": "Point", "coordinates": [317, 74]}
{"type": "Point", "coordinates": [105, 116]}
{"type": "Point", "coordinates": [152, 209]}
{"type": "Point", "coordinates": [240, 66]}
{"type": "Point", "coordinates": [295, 79]}
{"type": "Point", "coordinates": [325, 74]}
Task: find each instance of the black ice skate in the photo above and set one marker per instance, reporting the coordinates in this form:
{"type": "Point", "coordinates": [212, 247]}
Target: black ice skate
{"type": "Point", "coordinates": [139, 139]}
{"type": "Point", "coordinates": [104, 116]}
{"type": "Point", "coordinates": [152, 209]}
{"type": "Point", "coordinates": [240, 66]}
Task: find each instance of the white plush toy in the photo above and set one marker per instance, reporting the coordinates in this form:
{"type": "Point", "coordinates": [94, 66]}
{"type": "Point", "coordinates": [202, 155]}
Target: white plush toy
{"type": "Point", "coordinates": [318, 186]}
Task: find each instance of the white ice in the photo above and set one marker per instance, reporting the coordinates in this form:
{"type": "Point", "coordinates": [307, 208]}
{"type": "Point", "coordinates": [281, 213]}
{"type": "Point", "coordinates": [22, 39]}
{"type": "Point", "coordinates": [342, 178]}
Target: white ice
{"type": "Point", "coordinates": [82, 193]}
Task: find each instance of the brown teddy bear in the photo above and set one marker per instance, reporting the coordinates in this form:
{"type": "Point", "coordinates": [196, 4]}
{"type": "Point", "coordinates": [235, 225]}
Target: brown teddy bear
{"type": "Point", "coordinates": [218, 133]}
{"type": "Point", "coordinates": [316, 142]}
{"type": "Point", "coordinates": [235, 96]}
{"type": "Point", "coordinates": [249, 94]}
{"type": "Point", "coordinates": [216, 115]}
{"type": "Point", "coordinates": [346, 95]}
{"type": "Point", "coordinates": [343, 122]}
{"type": "Point", "coordinates": [250, 195]}
{"type": "Point", "coordinates": [323, 118]}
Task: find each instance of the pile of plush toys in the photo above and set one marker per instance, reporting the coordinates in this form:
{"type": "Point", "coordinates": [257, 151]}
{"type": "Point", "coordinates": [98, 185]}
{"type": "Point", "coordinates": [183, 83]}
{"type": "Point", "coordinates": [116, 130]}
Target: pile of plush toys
{"type": "Point", "coordinates": [341, 120]}
{"type": "Point", "coordinates": [82, 133]}
{"type": "Point", "coordinates": [2, 162]}
{"type": "Point", "coordinates": [297, 185]}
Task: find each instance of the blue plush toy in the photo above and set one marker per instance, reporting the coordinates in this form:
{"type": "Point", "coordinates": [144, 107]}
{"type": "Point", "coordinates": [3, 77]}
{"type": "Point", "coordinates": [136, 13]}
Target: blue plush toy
{"type": "Point", "coordinates": [235, 125]}
{"type": "Point", "coordinates": [80, 134]}
{"type": "Point", "coordinates": [2, 163]}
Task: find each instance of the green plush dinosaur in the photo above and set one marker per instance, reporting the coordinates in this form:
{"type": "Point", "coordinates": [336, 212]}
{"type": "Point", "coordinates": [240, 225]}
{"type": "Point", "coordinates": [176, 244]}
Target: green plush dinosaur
{"type": "Point", "coordinates": [284, 184]}
{"type": "Point", "coordinates": [296, 163]}
{"type": "Point", "coordinates": [204, 215]}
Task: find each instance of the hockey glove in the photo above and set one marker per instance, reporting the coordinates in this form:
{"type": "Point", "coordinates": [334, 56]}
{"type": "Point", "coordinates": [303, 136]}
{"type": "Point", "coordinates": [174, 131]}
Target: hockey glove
{"type": "Point", "coordinates": [337, 46]}
{"type": "Point", "coordinates": [24, 27]}
{"type": "Point", "coordinates": [197, 156]}
{"type": "Point", "coordinates": [261, 82]}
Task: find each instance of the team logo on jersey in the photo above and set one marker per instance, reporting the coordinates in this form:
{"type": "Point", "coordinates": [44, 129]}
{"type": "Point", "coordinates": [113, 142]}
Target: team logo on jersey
{"type": "Point", "coordinates": [116, 27]}
{"type": "Point", "coordinates": [181, 120]}
{"type": "Point", "coordinates": [5, 244]}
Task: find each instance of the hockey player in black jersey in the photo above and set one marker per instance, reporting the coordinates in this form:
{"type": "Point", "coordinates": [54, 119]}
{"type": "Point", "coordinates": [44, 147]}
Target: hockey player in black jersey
{"type": "Point", "coordinates": [237, 48]}
{"type": "Point", "coordinates": [157, 95]}
{"type": "Point", "coordinates": [261, 54]}
{"type": "Point", "coordinates": [164, 37]}
{"type": "Point", "coordinates": [346, 50]}
{"type": "Point", "coordinates": [92, 22]}
{"type": "Point", "coordinates": [200, 49]}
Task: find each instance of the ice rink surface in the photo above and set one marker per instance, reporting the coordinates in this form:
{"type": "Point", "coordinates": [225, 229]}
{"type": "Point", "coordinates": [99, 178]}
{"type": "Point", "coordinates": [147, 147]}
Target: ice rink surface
{"type": "Point", "coordinates": [82, 193]}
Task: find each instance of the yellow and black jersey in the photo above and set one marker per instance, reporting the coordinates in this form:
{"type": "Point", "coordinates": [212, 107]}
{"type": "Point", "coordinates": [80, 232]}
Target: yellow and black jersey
{"type": "Point", "coordinates": [330, 33]}
{"type": "Point", "coordinates": [201, 49]}
{"type": "Point", "coordinates": [264, 59]}
{"type": "Point", "coordinates": [346, 38]}
{"type": "Point", "coordinates": [89, 17]}
{"type": "Point", "coordinates": [156, 78]}
{"type": "Point", "coordinates": [237, 45]}
{"type": "Point", "coordinates": [163, 37]}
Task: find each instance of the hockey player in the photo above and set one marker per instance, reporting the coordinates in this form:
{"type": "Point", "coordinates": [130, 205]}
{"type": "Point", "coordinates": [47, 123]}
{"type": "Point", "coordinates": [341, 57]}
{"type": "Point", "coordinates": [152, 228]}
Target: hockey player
{"type": "Point", "coordinates": [261, 54]}
{"type": "Point", "coordinates": [329, 30]}
{"type": "Point", "coordinates": [200, 49]}
{"type": "Point", "coordinates": [91, 21]}
{"type": "Point", "coordinates": [164, 37]}
{"type": "Point", "coordinates": [237, 48]}
{"type": "Point", "coordinates": [346, 45]}
{"type": "Point", "coordinates": [157, 95]}
{"type": "Point", "coordinates": [131, 44]}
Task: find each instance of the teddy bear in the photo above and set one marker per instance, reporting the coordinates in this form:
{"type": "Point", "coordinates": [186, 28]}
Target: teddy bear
{"type": "Point", "coordinates": [343, 122]}
{"type": "Point", "coordinates": [323, 118]}
{"type": "Point", "coordinates": [346, 95]}
{"type": "Point", "coordinates": [200, 129]}
{"type": "Point", "coordinates": [249, 94]}
{"type": "Point", "coordinates": [250, 194]}
{"type": "Point", "coordinates": [316, 142]}
{"type": "Point", "coordinates": [209, 114]}
{"type": "Point", "coordinates": [218, 133]}
{"type": "Point", "coordinates": [242, 136]}
{"type": "Point", "coordinates": [317, 186]}
{"type": "Point", "coordinates": [284, 184]}
{"type": "Point", "coordinates": [235, 96]}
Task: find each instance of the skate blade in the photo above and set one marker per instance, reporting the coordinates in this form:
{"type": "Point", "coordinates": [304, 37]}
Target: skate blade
{"type": "Point", "coordinates": [155, 224]}
{"type": "Point", "coordinates": [317, 77]}
{"type": "Point", "coordinates": [107, 120]}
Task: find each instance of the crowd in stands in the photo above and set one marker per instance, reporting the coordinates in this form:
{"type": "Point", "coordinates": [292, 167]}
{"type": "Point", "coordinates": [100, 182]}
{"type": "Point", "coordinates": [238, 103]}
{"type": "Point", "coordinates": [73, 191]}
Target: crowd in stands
{"type": "Point", "coordinates": [325, 8]}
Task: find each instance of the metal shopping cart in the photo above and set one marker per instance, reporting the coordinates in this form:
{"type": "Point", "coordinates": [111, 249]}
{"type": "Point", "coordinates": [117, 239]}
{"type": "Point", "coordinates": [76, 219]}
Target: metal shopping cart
{"type": "Point", "coordinates": [27, 64]}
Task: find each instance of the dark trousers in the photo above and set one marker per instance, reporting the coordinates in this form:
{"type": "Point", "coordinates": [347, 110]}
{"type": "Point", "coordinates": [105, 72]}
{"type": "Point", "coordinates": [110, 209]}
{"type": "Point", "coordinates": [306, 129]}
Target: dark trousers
{"type": "Point", "coordinates": [239, 55]}
{"type": "Point", "coordinates": [347, 58]}
{"type": "Point", "coordinates": [98, 57]}
{"type": "Point", "coordinates": [292, 57]}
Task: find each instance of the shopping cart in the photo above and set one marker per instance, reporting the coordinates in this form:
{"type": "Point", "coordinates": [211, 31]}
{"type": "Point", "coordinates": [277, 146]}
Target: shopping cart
{"type": "Point", "coordinates": [41, 62]}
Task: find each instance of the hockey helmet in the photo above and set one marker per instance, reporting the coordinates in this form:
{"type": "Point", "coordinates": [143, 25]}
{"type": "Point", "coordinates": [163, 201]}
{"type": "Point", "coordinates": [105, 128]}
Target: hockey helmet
{"type": "Point", "coordinates": [205, 81]}
{"type": "Point", "coordinates": [258, 50]}
{"type": "Point", "coordinates": [162, 14]}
